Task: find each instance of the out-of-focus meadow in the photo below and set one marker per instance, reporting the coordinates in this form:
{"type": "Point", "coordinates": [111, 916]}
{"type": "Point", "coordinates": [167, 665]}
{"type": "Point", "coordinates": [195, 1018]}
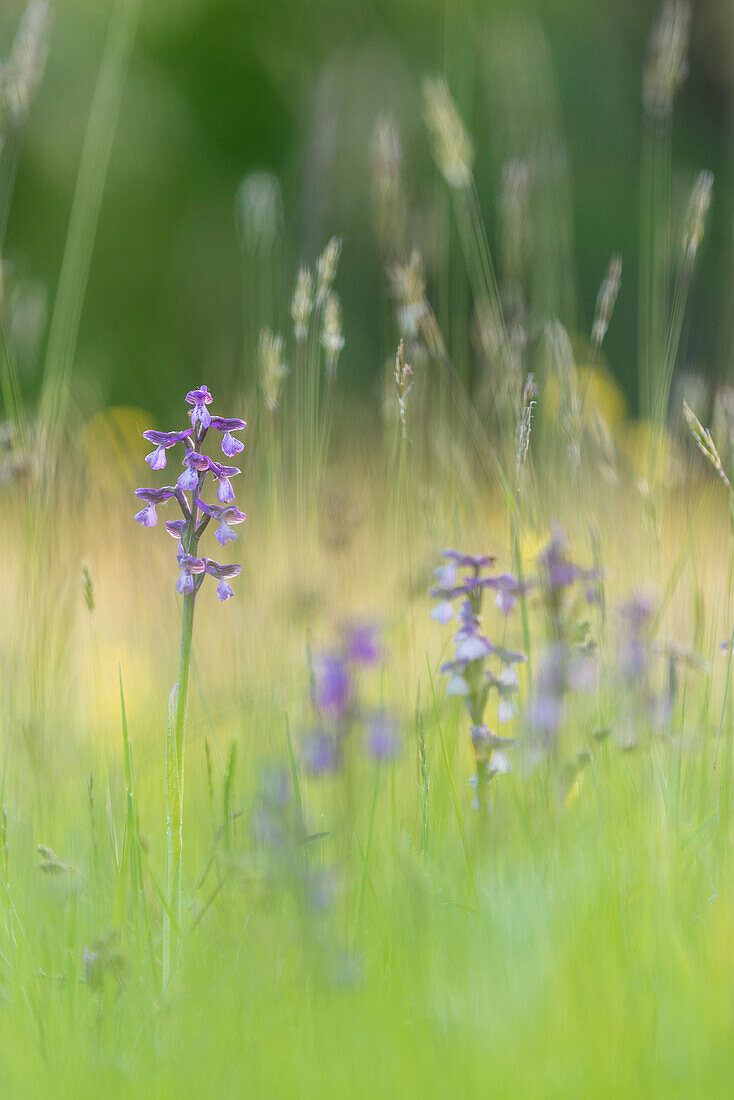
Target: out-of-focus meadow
{"type": "Point", "coordinates": [487, 310]}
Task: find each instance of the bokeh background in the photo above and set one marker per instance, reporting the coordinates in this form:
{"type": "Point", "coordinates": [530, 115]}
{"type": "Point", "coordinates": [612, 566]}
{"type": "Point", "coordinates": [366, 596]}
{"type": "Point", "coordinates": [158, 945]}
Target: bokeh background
{"type": "Point", "coordinates": [217, 91]}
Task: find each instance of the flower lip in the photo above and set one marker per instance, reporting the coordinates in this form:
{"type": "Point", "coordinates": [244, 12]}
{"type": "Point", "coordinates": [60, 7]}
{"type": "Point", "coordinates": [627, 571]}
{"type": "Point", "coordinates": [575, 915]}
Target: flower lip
{"type": "Point", "coordinates": [225, 492]}
{"type": "Point", "coordinates": [195, 464]}
{"type": "Point", "coordinates": [473, 648]}
{"type": "Point", "coordinates": [443, 612]}
{"type": "Point", "coordinates": [445, 575]}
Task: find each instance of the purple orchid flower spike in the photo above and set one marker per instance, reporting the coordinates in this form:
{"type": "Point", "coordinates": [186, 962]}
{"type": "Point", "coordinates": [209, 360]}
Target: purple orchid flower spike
{"type": "Point", "coordinates": [222, 573]}
{"type": "Point", "coordinates": [382, 737]}
{"type": "Point", "coordinates": [332, 685]}
{"type": "Point", "coordinates": [147, 516]}
{"type": "Point", "coordinates": [188, 492]}
{"type": "Point", "coordinates": [226, 515]}
{"type": "Point", "coordinates": [192, 568]}
{"type": "Point", "coordinates": [320, 753]}
{"type": "Point", "coordinates": [336, 698]}
{"type": "Point", "coordinates": [363, 645]}
{"type": "Point", "coordinates": [162, 441]}
{"type": "Point", "coordinates": [470, 677]}
{"type": "Point", "coordinates": [227, 425]}
{"type": "Point", "coordinates": [199, 413]}
{"type": "Point", "coordinates": [557, 571]}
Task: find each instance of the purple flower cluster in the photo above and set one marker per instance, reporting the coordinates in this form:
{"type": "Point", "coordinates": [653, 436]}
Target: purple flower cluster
{"type": "Point", "coordinates": [634, 653]}
{"type": "Point", "coordinates": [561, 670]}
{"type": "Point", "coordinates": [335, 676]}
{"type": "Point", "coordinates": [558, 578]}
{"type": "Point", "coordinates": [565, 665]}
{"type": "Point", "coordinates": [196, 513]}
{"type": "Point", "coordinates": [648, 694]}
{"type": "Point", "coordinates": [463, 580]}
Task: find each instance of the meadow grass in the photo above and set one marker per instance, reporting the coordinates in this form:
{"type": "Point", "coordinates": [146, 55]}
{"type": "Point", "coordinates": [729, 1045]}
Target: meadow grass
{"type": "Point", "coordinates": [366, 931]}
{"type": "Point", "coordinates": [577, 944]}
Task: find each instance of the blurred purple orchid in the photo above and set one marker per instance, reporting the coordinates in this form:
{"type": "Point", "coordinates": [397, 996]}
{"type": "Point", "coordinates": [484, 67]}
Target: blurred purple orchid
{"type": "Point", "coordinates": [335, 694]}
{"type": "Point", "coordinates": [362, 644]}
{"type": "Point", "coordinates": [566, 664]}
{"type": "Point", "coordinates": [465, 577]}
{"type": "Point", "coordinates": [332, 685]}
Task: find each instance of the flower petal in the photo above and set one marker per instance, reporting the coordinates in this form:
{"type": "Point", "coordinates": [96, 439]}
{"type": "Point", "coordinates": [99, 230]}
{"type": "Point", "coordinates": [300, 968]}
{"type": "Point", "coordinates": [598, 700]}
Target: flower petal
{"type": "Point", "coordinates": [147, 516]}
{"type": "Point", "coordinates": [443, 613]}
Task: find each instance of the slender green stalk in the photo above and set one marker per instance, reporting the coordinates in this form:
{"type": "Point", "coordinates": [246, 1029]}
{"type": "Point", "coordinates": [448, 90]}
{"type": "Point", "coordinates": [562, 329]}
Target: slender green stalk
{"type": "Point", "coordinates": [367, 850]}
{"type": "Point", "coordinates": [175, 743]}
{"type": "Point", "coordinates": [452, 785]}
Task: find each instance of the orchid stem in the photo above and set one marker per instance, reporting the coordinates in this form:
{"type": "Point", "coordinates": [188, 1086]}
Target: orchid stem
{"type": "Point", "coordinates": [175, 741]}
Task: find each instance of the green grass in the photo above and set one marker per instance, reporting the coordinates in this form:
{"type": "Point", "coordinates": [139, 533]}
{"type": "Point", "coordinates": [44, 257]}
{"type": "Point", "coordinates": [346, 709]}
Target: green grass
{"type": "Point", "coordinates": [586, 952]}
{"type": "Point", "coordinates": [592, 955]}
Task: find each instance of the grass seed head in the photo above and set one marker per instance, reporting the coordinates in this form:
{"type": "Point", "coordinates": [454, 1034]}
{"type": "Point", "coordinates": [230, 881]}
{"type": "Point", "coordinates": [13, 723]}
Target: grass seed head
{"type": "Point", "coordinates": [326, 268]}
{"type": "Point", "coordinates": [704, 442]}
{"type": "Point", "coordinates": [452, 146]}
{"type": "Point", "coordinates": [332, 339]}
{"type": "Point", "coordinates": [302, 304]}
{"type": "Point", "coordinates": [606, 300]}
{"type": "Point", "coordinates": [667, 61]}
{"type": "Point", "coordinates": [22, 74]}
{"type": "Point", "coordinates": [271, 366]}
{"type": "Point", "coordinates": [695, 222]}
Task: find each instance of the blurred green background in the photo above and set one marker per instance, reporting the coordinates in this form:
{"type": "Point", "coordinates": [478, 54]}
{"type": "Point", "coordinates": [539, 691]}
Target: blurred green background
{"type": "Point", "coordinates": [218, 89]}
